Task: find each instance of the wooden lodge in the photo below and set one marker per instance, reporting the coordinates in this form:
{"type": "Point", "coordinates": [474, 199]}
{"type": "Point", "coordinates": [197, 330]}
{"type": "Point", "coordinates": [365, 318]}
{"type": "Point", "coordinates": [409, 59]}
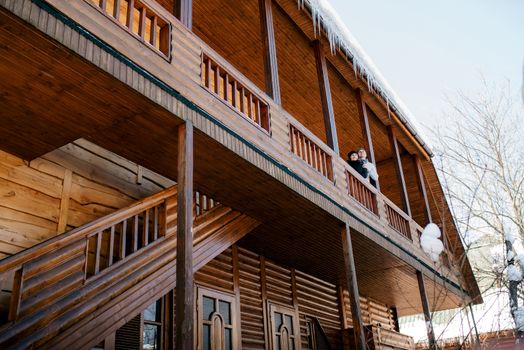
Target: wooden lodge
{"type": "Point", "coordinates": [173, 175]}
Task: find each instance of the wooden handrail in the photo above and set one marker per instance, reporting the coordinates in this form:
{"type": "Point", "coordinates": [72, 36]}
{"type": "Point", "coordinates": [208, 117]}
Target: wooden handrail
{"type": "Point", "coordinates": [394, 339]}
{"type": "Point", "coordinates": [57, 242]}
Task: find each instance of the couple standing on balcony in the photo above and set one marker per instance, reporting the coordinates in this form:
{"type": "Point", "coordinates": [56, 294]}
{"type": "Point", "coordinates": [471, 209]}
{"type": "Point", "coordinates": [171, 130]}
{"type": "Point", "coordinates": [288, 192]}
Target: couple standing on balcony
{"type": "Point", "coordinates": [359, 161]}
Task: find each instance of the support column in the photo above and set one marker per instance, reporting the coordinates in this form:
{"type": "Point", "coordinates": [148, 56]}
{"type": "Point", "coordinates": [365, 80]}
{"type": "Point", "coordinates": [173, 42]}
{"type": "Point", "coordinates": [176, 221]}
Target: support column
{"type": "Point", "coordinates": [269, 51]}
{"type": "Point", "coordinates": [351, 280]}
{"type": "Point", "coordinates": [184, 12]}
{"type": "Point", "coordinates": [325, 94]}
{"type": "Point", "coordinates": [366, 131]}
{"type": "Point", "coordinates": [184, 261]}
{"type": "Point", "coordinates": [400, 172]}
{"type": "Point", "coordinates": [427, 314]}
{"type": "Point", "coordinates": [422, 187]}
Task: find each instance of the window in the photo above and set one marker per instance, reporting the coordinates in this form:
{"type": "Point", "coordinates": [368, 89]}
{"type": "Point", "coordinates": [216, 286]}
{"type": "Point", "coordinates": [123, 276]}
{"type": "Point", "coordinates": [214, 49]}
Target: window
{"type": "Point", "coordinates": [216, 320]}
{"type": "Point", "coordinates": [283, 328]}
{"type": "Point", "coordinates": [152, 331]}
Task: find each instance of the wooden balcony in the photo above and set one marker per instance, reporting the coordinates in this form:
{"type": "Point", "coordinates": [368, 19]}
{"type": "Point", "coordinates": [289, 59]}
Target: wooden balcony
{"type": "Point", "coordinates": [227, 107]}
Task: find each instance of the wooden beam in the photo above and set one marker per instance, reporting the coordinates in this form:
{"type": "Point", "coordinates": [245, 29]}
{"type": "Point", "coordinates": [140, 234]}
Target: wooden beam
{"type": "Point", "coordinates": [184, 12]}
{"type": "Point", "coordinates": [422, 187]}
{"type": "Point", "coordinates": [184, 260]}
{"type": "Point", "coordinates": [366, 131]}
{"type": "Point", "coordinates": [427, 314]}
{"type": "Point", "coordinates": [351, 280]}
{"type": "Point", "coordinates": [325, 94]}
{"type": "Point", "coordinates": [269, 51]}
{"type": "Point", "coordinates": [400, 173]}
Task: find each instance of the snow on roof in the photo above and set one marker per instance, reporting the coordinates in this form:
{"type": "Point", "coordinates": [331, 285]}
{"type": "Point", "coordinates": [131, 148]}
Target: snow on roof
{"type": "Point", "coordinates": [325, 17]}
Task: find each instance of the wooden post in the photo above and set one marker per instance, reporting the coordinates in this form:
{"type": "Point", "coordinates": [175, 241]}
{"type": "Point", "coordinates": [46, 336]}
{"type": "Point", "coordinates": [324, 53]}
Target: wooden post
{"type": "Point", "coordinates": [269, 51]}
{"type": "Point", "coordinates": [351, 280]}
{"type": "Point", "coordinates": [325, 94]}
{"type": "Point", "coordinates": [184, 260]}
{"type": "Point", "coordinates": [366, 131]}
{"type": "Point", "coordinates": [400, 172]}
{"type": "Point", "coordinates": [184, 12]}
{"type": "Point", "coordinates": [395, 318]}
{"type": "Point", "coordinates": [422, 187]}
{"type": "Point", "coordinates": [427, 314]}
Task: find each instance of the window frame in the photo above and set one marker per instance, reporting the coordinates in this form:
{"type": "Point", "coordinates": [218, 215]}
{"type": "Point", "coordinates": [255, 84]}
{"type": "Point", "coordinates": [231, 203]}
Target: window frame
{"type": "Point", "coordinates": [284, 310]}
{"type": "Point", "coordinates": [220, 296]}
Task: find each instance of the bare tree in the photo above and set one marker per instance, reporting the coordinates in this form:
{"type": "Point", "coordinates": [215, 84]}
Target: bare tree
{"type": "Point", "coordinates": [480, 156]}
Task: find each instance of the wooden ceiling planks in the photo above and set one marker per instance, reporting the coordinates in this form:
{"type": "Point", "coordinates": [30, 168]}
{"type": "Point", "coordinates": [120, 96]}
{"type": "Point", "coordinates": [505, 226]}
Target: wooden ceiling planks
{"type": "Point", "coordinates": [51, 97]}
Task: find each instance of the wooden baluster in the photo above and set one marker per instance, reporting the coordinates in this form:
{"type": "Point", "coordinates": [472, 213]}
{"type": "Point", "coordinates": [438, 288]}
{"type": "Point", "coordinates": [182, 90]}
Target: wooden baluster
{"type": "Point", "coordinates": [142, 23]}
{"type": "Point", "coordinates": [257, 113]}
{"type": "Point", "coordinates": [242, 101]}
{"type": "Point", "coordinates": [250, 107]}
{"type": "Point", "coordinates": [217, 80]}
{"type": "Point", "coordinates": [234, 97]}
{"type": "Point", "coordinates": [130, 14]}
{"type": "Point", "coordinates": [111, 246]}
{"type": "Point", "coordinates": [16, 294]}
{"type": "Point", "coordinates": [154, 25]}
{"type": "Point", "coordinates": [207, 62]}
{"type": "Point", "coordinates": [316, 164]}
{"type": "Point", "coordinates": [156, 222]}
{"type": "Point", "coordinates": [145, 231]}
{"type": "Point", "coordinates": [116, 10]}
{"type": "Point", "coordinates": [134, 240]}
{"type": "Point", "coordinates": [226, 87]}
{"type": "Point", "coordinates": [103, 5]}
{"type": "Point", "coordinates": [123, 242]}
{"type": "Point", "coordinates": [97, 251]}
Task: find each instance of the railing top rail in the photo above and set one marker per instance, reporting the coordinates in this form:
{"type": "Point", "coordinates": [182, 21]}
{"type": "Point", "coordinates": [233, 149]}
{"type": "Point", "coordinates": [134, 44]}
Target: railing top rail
{"type": "Point", "coordinates": [17, 260]}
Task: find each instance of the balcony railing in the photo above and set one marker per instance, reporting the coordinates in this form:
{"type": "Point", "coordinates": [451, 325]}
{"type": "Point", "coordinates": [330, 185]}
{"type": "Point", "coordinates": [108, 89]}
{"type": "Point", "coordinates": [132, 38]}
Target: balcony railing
{"type": "Point", "coordinates": [310, 152]}
{"type": "Point", "coordinates": [397, 218]}
{"type": "Point", "coordinates": [217, 80]}
{"type": "Point", "coordinates": [362, 192]}
{"type": "Point", "coordinates": [140, 21]}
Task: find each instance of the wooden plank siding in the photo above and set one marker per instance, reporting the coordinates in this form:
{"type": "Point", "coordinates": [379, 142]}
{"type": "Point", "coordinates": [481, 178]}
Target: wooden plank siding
{"type": "Point", "coordinates": [307, 295]}
{"type": "Point", "coordinates": [64, 189]}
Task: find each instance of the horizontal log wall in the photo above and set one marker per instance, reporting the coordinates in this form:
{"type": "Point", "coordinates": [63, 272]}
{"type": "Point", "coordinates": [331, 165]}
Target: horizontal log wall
{"type": "Point", "coordinates": [261, 281]}
{"type": "Point", "coordinates": [64, 189]}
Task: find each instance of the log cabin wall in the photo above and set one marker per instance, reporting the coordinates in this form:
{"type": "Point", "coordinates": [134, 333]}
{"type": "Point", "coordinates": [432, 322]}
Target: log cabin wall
{"type": "Point", "coordinates": [262, 281]}
{"type": "Point", "coordinates": [233, 30]}
{"type": "Point", "coordinates": [64, 189]}
{"type": "Point", "coordinates": [299, 84]}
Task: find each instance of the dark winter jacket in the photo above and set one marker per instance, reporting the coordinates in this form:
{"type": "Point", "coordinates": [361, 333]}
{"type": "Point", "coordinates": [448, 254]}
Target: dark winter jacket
{"type": "Point", "coordinates": [358, 166]}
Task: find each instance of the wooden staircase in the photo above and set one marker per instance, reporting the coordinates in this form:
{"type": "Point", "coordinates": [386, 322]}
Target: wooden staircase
{"type": "Point", "coordinates": [74, 290]}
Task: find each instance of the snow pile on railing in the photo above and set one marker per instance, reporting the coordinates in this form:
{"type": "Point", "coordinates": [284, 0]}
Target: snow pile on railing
{"type": "Point", "coordinates": [430, 242]}
{"type": "Point", "coordinates": [326, 18]}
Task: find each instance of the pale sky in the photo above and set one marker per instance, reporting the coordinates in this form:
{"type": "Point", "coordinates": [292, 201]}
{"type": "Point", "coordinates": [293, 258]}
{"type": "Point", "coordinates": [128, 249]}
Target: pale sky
{"type": "Point", "coordinates": [429, 49]}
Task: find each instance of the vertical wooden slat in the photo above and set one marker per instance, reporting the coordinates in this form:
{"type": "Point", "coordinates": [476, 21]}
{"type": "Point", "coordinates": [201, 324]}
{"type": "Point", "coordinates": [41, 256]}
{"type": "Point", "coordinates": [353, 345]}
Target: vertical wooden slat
{"type": "Point", "coordinates": [97, 251]}
{"type": "Point", "coordinates": [257, 113]}
{"type": "Point", "coordinates": [111, 246]}
{"type": "Point", "coordinates": [399, 170]}
{"type": "Point", "coordinates": [427, 312]}
{"type": "Point", "coordinates": [208, 72]}
{"type": "Point", "coordinates": [226, 87]}
{"type": "Point", "coordinates": [134, 240]}
{"type": "Point", "coordinates": [351, 280]}
{"type": "Point", "coordinates": [130, 14]}
{"type": "Point", "coordinates": [123, 238]}
{"type": "Point", "coordinates": [184, 260]}
{"type": "Point", "coordinates": [154, 25]}
{"type": "Point", "coordinates": [156, 223]}
{"type": "Point", "coordinates": [64, 201]}
{"type": "Point", "coordinates": [217, 80]}
{"type": "Point", "coordinates": [16, 294]}
{"type": "Point", "coordinates": [142, 23]}
{"type": "Point", "coordinates": [145, 231]}
{"type": "Point", "coordinates": [250, 106]}
{"type": "Point", "coordinates": [269, 51]}
{"type": "Point", "coordinates": [234, 96]}
{"type": "Point", "coordinates": [116, 12]}
{"type": "Point", "coordinates": [103, 4]}
{"type": "Point", "coordinates": [325, 94]}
